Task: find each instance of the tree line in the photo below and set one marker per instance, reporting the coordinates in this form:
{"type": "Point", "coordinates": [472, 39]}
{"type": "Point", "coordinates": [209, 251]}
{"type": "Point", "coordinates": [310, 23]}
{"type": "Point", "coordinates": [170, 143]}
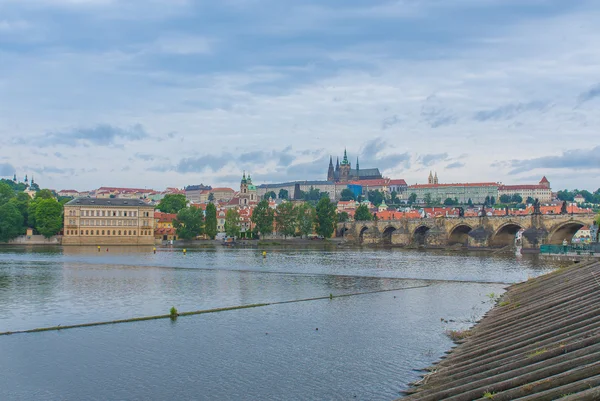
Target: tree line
{"type": "Point", "coordinates": [18, 211]}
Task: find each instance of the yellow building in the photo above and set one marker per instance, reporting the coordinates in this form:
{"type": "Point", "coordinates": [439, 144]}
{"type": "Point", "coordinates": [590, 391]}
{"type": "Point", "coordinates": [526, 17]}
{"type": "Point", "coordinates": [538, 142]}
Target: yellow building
{"type": "Point", "coordinates": [90, 221]}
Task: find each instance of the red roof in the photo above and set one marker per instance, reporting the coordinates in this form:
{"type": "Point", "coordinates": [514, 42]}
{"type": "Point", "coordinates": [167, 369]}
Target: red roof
{"type": "Point", "coordinates": [221, 190]}
{"type": "Point", "coordinates": [397, 182]}
{"type": "Point", "coordinates": [164, 217]}
{"type": "Point", "coordinates": [544, 180]}
{"type": "Point", "coordinates": [115, 189]}
{"type": "Point", "coordinates": [520, 187]}
{"type": "Point", "coordinates": [469, 184]}
{"type": "Point", "coordinates": [379, 182]}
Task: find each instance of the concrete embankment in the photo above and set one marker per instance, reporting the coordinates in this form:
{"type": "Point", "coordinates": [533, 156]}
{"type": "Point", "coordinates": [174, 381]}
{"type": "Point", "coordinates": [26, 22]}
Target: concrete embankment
{"type": "Point", "coordinates": [540, 342]}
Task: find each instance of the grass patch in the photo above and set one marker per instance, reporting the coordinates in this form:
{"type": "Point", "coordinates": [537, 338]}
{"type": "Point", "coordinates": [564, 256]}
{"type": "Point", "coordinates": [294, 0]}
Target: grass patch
{"type": "Point", "coordinates": [489, 395]}
{"type": "Point", "coordinates": [457, 335]}
{"type": "Point", "coordinates": [537, 352]}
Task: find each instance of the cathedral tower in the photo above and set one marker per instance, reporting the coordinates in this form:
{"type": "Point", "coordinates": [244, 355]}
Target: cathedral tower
{"type": "Point", "coordinates": [345, 168]}
{"type": "Point", "coordinates": [330, 172]}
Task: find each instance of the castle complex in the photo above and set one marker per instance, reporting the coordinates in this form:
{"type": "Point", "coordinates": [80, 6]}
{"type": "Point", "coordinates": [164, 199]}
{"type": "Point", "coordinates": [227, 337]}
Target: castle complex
{"type": "Point", "coordinates": [343, 172]}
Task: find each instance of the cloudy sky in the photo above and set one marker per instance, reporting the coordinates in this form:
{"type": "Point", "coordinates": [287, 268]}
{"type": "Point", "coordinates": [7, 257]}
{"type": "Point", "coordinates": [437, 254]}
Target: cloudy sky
{"type": "Point", "coordinates": [156, 93]}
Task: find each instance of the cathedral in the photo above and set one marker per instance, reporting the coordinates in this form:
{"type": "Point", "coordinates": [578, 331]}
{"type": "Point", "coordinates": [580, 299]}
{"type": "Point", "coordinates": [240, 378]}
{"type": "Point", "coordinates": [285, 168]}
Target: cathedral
{"type": "Point", "coordinates": [343, 172]}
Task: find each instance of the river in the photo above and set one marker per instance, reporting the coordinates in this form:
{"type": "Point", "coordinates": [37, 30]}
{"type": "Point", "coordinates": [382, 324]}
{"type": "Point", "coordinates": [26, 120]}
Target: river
{"type": "Point", "coordinates": [362, 347]}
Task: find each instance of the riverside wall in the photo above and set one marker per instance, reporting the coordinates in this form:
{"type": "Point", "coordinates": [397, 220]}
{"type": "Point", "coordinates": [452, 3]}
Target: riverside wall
{"type": "Point", "coordinates": [540, 342]}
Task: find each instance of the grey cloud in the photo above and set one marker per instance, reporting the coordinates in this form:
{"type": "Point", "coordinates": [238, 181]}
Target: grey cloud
{"type": "Point", "coordinates": [100, 135]}
{"type": "Point", "coordinates": [144, 156]}
{"type": "Point", "coordinates": [53, 170]}
{"type": "Point", "coordinates": [390, 121]}
{"type": "Point", "coordinates": [576, 159]}
{"type": "Point", "coordinates": [370, 156]}
{"type": "Point", "coordinates": [431, 159]}
{"type": "Point", "coordinates": [591, 93]}
{"type": "Point", "coordinates": [59, 155]}
{"type": "Point", "coordinates": [455, 165]}
{"type": "Point", "coordinates": [203, 163]}
{"type": "Point", "coordinates": [436, 114]}
{"type": "Point", "coordinates": [509, 111]}
{"type": "Point", "coordinates": [6, 170]}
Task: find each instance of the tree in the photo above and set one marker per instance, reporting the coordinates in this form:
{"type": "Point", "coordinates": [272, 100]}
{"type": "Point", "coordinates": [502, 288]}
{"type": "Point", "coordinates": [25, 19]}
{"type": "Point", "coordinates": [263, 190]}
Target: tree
{"type": "Point", "coordinates": [326, 217]}
{"type": "Point", "coordinates": [394, 197]}
{"type": "Point", "coordinates": [449, 202]}
{"type": "Point", "coordinates": [283, 194]}
{"type": "Point", "coordinates": [211, 197]}
{"type": "Point", "coordinates": [530, 200]}
{"type": "Point", "coordinates": [347, 195]}
{"type": "Point", "coordinates": [21, 202]}
{"type": "Point", "coordinates": [11, 222]}
{"type": "Point", "coordinates": [210, 221]}
{"type": "Point", "coordinates": [470, 202]}
{"type": "Point", "coordinates": [172, 203]}
{"type": "Point", "coordinates": [505, 198]}
{"type": "Point", "coordinates": [6, 193]}
{"type": "Point", "coordinates": [189, 223]}
{"type": "Point", "coordinates": [305, 218]}
{"type": "Point", "coordinates": [262, 217]}
{"type": "Point", "coordinates": [232, 218]}
{"type": "Point", "coordinates": [492, 201]}
{"type": "Point", "coordinates": [516, 198]}
{"type": "Point", "coordinates": [565, 195]}
{"type": "Point", "coordinates": [362, 213]}
{"type": "Point", "coordinates": [286, 219]}
{"type": "Point", "coordinates": [375, 197]}
{"type": "Point", "coordinates": [269, 195]}
{"type": "Point", "coordinates": [44, 194]}
{"type": "Point", "coordinates": [412, 198]}
{"type": "Point", "coordinates": [48, 217]}
{"type": "Point", "coordinates": [343, 217]}
{"type": "Point", "coordinates": [487, 200]}
{"type": "Point", "coordinates": [427, 199]}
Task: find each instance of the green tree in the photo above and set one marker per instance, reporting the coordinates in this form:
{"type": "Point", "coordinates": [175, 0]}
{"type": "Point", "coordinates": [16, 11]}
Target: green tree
{"type": "Point", "coordinates": [326, 217]}
{"type": "Point", "coordinates": [305, 217]}
{"type": "Point", "coordinates": [565, 195]}
{"type": "Point", "coordinates": [427, 199]}
{"type": "Point", "coordinates": [232, 219]}
{"type": "Point", "coordinates": [11, 222]}
{"type": "Point", "coordinates": [269, 195]}
{"type": "Point", "coordinates": [210, 221]}
{"type": "Point", "coordinates": [375, 197]}
{"type": "Point", "coordinates": [172, 203]}
{"type": "Point", "coordinates": [44, 194]}
{"type": "Point", "coordinates": [394, 197]}
{"type": "Point", "coordinates": [262, 217]}
{"type": "Point", "coordinates": [48, 217]}
{"type": "Point", "coordinates": [286, 219]}
{"type": "Point", "coordinates": [470, 202]}
{"type": "Point", "coordinates": [529, 200]}
{"type": "Point", "coordinates": [516, 198]}
{"type": "Point", "coordinates": [347, 195]}
{"type": "Point", "coordinates": [505, 198]}
{"type": "Point", "coordinates": [6, 193]}
{"type": "Point", "coordinates": [343, 217]}
{"type": "Point", "coordinates": [449, 202]}
{"type": "Point", "coordinates": [492, 201]}
{"type": "Point", "coordinates": [283, 194]}
{"type": "Point", "coordinates": [211, 197]}
{"type": "Point", "coordinates": [412, 198]}
{"type": "Point", "coordinates": [21, 202]}
{"type": "Point", "coordinates": [189, 223]}
{"type": "Point", "coordinates": [362, 213]}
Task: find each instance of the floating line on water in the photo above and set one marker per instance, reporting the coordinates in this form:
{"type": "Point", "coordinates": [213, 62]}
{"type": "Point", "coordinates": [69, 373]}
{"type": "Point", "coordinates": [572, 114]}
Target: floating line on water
{"type": "Point", "coordinates": [200, 312]}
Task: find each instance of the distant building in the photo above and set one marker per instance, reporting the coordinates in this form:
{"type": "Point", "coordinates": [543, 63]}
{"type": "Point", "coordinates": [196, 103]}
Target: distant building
{"type": "Point", "coordinates": [343, 172]}
{"type": "Point", "coordinates": [476, 192]}
{"type": "Point", "coordinates": [193, 192]}
{"type": "Point", "coordinates": [90, 221]}
{"type": "Point", "coordinates": [304, 186]}
{"type": "Point", "coordinates": [248, 193]}
{"type": "Point", "coordinates": [68, 192]}
{"type": "Point", "coordinates": [579, 199]}
{"type": "Point", "coordinates": [541, 191]}
{"type": "Point", "coordinates": [163, 226]}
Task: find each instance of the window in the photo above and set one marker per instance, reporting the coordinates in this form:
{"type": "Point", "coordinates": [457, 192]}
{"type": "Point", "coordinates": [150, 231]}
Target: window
{"type": "Point", "coordinates": [120, 214]}
{"type": "Point", "coordinates": [134, 232]}
{"type": "Point", "coordinates": [81, 232]}
{"type": "Point", "coordinates": [87, 232]}
{"type": "Point", "coordinates": [119, 232]}
{"type": "Point", "coordinates": [102, 232]}
{"type": "Point", "coordinates": [114, 214]}
{"type": "Point", "coordinates": [114, 232]}
{"type": "Point", "coordinates": [97, 232]}
{"type": "Point", "coordinates": [97, 213]}
{"type": "Point", "coordinates": [108, 232]}
{"type": "Point", "coordinates": [124, 214]}
{"type": "Point", "coordinates": [103, 213]}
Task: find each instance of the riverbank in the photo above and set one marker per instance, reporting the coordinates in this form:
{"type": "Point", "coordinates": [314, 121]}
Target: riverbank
{"type": "Point", "coordinates": [540, 342]}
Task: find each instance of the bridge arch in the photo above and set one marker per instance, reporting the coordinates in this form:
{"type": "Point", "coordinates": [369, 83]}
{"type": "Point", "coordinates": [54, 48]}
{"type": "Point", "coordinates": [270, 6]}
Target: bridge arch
{"type": "Point", "coordinates": [387, 235]}
{"type": "Point", "coordinates": [420, 235]}
{"type": "Point", "coordinates": [564, 231]}
{"type": "Point", "coordinates": [505, 234]}
{"type": "Point", "coordinates": [459, 234]}
{"type": "Point", "coordinates": [342, 231]}
{"type": "Point", "coordinates": [361, 235]}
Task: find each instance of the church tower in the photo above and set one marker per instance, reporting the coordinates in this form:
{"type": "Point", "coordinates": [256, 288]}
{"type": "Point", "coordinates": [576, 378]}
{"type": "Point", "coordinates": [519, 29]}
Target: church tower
{"type": "Point", "coordinates": [345, 168]}
{"type": "Point", "coordinates": [357, 174]}
{"type": "Point", "coordinates": [330, 171]}
{"type": "Point", "coordinates": [435, 179]}
{"type": "Point", "coordinates": [430, 178]}
{"type": "Point", "coordinates": [244, 194]}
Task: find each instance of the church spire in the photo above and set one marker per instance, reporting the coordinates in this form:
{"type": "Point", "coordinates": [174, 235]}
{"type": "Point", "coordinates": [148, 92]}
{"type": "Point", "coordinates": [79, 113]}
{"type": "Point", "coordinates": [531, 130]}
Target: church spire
{"type": "Point", "coordinates": [357, 168]}
{"type": "Point", "coordinates": [337, 164]}
{"type": "Point", "coordinates": [345, 159]}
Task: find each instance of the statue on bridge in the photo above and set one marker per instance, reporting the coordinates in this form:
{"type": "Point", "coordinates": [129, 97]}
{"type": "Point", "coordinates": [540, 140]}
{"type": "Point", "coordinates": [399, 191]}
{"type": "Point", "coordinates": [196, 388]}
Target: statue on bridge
{"type": "Point", "coordinates": [536, 206]}
{"type": "Point", "coordinates": [506, 210]}
{"type": "Point", "coordinates": [483, 213]}
{"type": "Point", "coordinates": [461, 212]}
{"type": "Point", "coordinates": [563, 208]}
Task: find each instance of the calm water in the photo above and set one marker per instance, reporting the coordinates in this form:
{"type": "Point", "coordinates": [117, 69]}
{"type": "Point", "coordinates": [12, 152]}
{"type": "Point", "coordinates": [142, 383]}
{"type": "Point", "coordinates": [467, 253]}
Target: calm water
{"type": "Point", "coordinates": [365, 348]}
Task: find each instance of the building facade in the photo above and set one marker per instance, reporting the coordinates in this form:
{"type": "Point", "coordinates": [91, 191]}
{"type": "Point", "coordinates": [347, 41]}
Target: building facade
{"type": "Point", "coordinates": [305, 186]}
{"type": "Point", "coordinates": [193, 192]}
{"type": "Point", "coordinates": [476, 192]}
{"type": "Point", "coordinates": [89, 221]}
{"type": "Point", "coordinates": [541, 191]}
{"type": "Point", "coordinates": [248, 194]}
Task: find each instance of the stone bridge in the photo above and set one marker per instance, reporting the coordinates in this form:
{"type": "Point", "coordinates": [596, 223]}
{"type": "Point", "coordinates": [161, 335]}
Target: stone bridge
{"type": "Point", "coordinates": [476, 232]}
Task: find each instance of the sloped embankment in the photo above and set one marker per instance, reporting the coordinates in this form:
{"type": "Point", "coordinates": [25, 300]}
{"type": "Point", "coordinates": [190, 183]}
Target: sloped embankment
{"type": "Point", "coordinates": [541, 342]}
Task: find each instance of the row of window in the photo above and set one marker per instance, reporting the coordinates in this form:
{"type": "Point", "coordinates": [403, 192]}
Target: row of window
{"type": "Point", "coordinates": [145, 223]}
{"type": "Point", "coordinates": [108, 232]}
{"type": "Point", "coordinates": [108, 213]}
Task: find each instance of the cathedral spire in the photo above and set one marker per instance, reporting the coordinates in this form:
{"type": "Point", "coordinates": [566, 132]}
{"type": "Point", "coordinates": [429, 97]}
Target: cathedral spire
{"type": "Point", "coordinates": [357, 168]}
{"type": "Point", "coordinates": [345, 159]}
{"type": "Point", "coordinates": [337, 164]}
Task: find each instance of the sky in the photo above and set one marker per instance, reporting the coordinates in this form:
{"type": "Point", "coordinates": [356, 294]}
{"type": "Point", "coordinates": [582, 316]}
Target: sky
{"type": "Point", "coordinates": [169, 93]}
